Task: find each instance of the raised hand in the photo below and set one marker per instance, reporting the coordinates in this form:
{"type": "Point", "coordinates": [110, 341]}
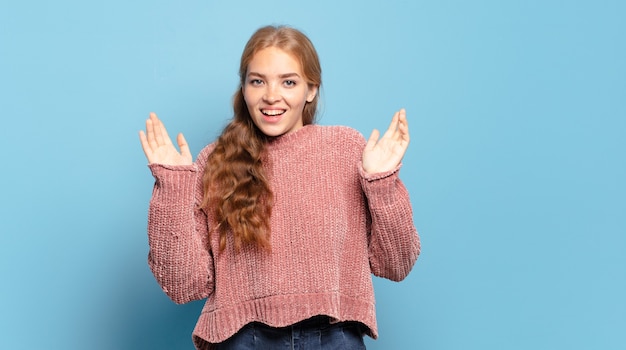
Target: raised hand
{"type": "Point", "coordinates": [384, 154]}
{"type": "Point", "coordinates": [158, 146]}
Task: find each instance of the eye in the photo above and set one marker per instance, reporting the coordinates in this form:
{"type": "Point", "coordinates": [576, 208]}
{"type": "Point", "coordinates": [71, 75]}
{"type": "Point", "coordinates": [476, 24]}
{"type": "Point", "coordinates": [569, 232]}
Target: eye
{"type": "Point", "coordinates": [256, 82]}
{"type": "Point", "coordinates": [290, 83]}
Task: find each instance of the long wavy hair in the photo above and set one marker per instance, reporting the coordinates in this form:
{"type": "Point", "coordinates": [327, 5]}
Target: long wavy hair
{"type": "Point", "coordinates": [236, 187]}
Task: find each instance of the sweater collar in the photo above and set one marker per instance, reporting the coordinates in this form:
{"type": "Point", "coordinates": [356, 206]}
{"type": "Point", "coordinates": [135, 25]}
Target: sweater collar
{"type": "Point", "coordinates": [291, 138]}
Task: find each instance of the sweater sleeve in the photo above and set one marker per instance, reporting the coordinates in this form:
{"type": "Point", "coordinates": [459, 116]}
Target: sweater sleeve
{"type": "Point", "coordinates": [394, 244]}
{"type": "Point", "coordinates": [179, 256]}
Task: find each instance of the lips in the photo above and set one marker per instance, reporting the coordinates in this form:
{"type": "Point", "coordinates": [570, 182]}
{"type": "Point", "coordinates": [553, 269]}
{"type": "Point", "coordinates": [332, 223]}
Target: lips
{"type": "Point", "coordinates": [272, 115]}
{"type": "Point", "coordinates": [272, 112]}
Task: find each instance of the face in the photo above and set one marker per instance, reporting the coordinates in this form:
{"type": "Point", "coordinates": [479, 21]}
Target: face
{"type": "Point", "coordinates": [275, 91]}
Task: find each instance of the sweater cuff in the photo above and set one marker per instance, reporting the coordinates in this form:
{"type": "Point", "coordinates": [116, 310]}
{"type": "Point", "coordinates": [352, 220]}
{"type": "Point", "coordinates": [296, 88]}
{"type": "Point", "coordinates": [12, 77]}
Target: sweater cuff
{"type": "Point", "coordinates": [379, 188]}
{"type": "Point", "coordinates": [156, 167]}
{"type": "Point", "coordinates": [179, 177]}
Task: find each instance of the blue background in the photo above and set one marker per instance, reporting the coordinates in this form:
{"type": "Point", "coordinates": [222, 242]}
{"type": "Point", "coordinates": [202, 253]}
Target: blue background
{"type": "Point", "coordinates": [516, 168]}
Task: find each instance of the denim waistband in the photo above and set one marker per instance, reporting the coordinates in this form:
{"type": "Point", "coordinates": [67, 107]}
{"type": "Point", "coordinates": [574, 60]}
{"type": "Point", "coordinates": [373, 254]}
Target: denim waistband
{"type": "Point", "coordinates": [318, 332]}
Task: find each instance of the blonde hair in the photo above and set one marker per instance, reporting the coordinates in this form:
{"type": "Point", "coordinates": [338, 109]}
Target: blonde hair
{"type": "Point", "coordinates": [236, 188]}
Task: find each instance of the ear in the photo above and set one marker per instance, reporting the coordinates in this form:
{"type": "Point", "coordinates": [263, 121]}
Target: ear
{"type": "Point", "coordinates": [311, 93]}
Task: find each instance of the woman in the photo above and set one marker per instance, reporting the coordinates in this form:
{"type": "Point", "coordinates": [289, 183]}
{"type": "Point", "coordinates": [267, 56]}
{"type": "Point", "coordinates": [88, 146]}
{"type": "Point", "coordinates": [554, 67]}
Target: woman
{"type": "Point", "coordinates": [280, 222]}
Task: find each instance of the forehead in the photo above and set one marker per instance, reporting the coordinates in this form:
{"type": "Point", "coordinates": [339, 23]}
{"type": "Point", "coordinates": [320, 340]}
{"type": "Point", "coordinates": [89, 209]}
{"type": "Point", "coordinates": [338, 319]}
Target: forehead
{"type": "Point", "coordinates": [273, 60]}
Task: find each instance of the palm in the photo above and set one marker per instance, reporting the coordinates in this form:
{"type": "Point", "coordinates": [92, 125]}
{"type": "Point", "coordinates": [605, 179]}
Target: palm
{"type": "Point", "coordinates": [158, 146]}
{"type": "Point", "coordinates": [384, 154]}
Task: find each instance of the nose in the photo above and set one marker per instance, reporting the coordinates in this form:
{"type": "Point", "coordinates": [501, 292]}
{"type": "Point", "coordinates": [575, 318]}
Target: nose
{"type": "Point", "coordinates": [271, 94]}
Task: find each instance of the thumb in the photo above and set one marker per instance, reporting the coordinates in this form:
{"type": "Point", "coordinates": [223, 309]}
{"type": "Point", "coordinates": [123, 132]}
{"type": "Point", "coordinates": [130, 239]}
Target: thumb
{"type": "Point", "coordinates": [184, 147]}
{"type": "Point", "coordinates": [371, 142]}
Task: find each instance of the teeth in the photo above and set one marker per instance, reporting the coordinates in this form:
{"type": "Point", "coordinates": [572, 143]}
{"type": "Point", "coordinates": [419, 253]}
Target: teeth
{"type": "Point", "coordinates": [272, 112]}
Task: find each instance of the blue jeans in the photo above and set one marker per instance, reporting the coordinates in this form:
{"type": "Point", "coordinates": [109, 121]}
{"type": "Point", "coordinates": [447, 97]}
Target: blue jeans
{"type": "Point", "coordinates": [313, 334]}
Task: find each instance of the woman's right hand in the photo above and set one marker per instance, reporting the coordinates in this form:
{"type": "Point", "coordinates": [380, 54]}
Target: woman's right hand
{"type": "Point", "coordinates": [158, 146]}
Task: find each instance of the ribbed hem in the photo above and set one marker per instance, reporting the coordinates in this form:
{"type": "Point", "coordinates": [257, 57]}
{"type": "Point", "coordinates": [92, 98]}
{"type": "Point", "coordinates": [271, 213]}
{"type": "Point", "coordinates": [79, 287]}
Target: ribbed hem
{"type": "Point", "coordinates": [280, 311]}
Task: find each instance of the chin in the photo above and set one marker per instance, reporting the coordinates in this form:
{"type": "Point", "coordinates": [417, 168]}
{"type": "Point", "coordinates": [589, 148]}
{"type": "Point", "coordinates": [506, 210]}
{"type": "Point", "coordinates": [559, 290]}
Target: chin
{"type": "Point", "coordinates": [272, 132]}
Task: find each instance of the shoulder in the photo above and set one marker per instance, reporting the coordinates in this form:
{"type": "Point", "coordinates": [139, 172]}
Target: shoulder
{"type": "Point", "coordinates": [203, 156]}
{"type": "Point", "coordinates": [340, 142]}
{"type": "Point", "coordinates": [340, 134]}
{"type": "Point", "coordinates": [207, 149]}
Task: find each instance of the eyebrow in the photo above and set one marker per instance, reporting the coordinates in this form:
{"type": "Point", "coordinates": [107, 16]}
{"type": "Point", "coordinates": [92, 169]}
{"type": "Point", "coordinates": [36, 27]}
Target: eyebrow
{"type": "Point", "coordinates": [282, 76]}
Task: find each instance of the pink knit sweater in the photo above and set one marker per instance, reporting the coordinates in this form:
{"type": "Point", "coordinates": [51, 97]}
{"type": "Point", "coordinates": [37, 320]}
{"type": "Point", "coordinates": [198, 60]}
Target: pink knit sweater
{"type": "Point", "coordinates": [332, 227]}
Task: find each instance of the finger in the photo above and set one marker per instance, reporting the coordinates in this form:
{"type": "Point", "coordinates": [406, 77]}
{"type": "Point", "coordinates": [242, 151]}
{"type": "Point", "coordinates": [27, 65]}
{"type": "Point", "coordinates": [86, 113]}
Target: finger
{"type": "Point", "coordinates": [164, 135]}
{"type": "Point", "coordinates": [158, 132]}
{"type": "Point", "coordinates": [402, 115]}
{"type": "Point", "coordinates": [184, 147]}
{"type": "Point", "coordinates": [393, 126]}
{"type": "Point", "coordinates": [144, 141]}
{"type": "Point", "coordinates": [371, 141]}
{"type": "Point", "coordinates": [403, 126]}
{"type": "Point", "coordinates": [145, 145]}
{"type": "Point", "coordinates": [150, 133]}
{"type": "Point", "coordinates": [402, 130]}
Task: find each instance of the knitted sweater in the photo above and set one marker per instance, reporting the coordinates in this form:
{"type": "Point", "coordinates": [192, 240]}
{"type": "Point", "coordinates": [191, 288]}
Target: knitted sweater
{"type": "Point", "coordinates": [332, 227]}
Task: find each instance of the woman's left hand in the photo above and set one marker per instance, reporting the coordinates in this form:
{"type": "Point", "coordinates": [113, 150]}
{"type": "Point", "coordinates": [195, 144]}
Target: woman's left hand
{"type": "Point", "coordinates": [384, 154]}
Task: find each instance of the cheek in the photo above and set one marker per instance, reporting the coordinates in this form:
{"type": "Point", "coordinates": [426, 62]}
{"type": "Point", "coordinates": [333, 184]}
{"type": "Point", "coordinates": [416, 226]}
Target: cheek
{"type": "Point", "coordinates": [297, 97]}
{"type": "Point", "coordinates": [249, 98]}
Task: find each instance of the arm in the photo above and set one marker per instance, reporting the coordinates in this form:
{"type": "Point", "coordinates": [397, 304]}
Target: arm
{"type": "Point", "coordinates": [177, 229]}
{"type": "Point", "coordinates": [393, 243]}
{"type": "Point", "coordinates": [179, 256]}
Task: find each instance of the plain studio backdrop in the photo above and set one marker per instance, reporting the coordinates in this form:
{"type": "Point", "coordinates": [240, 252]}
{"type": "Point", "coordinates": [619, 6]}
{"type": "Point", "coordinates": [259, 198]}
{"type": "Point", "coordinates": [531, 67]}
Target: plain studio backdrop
{"type": "Point", "coordinates": [516, 168]}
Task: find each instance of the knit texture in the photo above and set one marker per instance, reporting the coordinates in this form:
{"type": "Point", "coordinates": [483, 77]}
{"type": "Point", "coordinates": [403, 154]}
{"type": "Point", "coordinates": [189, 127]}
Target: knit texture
{"type": "Point", "coordinates": [332, 227]}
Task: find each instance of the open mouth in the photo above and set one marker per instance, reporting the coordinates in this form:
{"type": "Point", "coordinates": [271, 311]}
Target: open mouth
{"type": "Point", "coordinates": [272, 112]}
